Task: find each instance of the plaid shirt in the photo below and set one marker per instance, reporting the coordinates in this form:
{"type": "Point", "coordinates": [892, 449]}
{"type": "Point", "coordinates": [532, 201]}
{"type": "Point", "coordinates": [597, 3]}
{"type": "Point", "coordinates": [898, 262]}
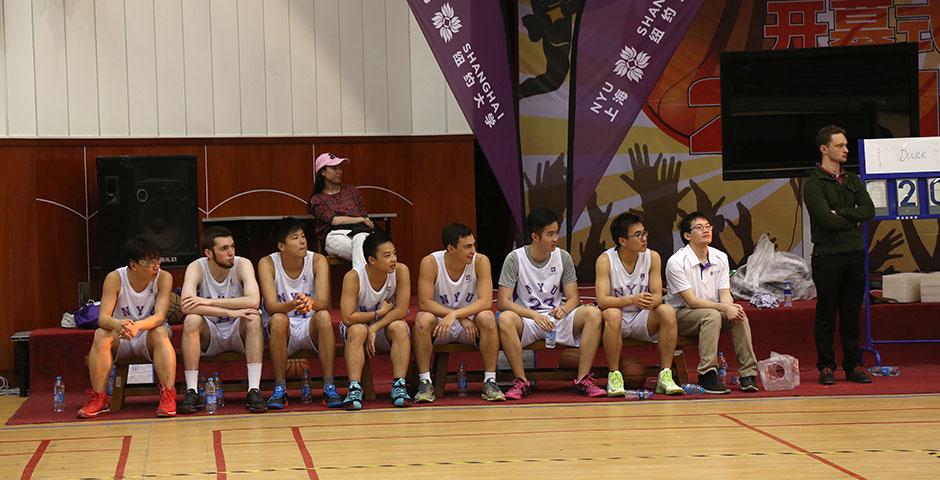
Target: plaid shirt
{"type": "Point", "coordinates": [347, 203]}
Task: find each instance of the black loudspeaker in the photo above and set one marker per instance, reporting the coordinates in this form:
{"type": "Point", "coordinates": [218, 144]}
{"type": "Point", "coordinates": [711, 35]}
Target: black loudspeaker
{"type": "Point", "coordinates": [153, 196]}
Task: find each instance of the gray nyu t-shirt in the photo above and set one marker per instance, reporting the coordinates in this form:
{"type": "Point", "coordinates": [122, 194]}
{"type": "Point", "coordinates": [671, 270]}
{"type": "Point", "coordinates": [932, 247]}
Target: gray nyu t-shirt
{"type": "Point", "coordinates": [510, 273]}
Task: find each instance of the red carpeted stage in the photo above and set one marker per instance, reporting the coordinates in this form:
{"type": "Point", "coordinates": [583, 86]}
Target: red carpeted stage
{"type": "Point", "coordinates": [57, 351]}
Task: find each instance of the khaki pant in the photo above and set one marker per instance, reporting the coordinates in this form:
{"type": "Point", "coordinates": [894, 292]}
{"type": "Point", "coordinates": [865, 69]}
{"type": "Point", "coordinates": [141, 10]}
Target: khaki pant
{"type": "Point", "coordinates": [707, 324]}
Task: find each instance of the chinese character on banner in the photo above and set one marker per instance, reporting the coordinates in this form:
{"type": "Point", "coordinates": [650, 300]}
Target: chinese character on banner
{"type": "Point", "coordinates": [915, 21]}
{"type": "Point", "coordinates": [796, 25]}
{"type": "Point", "coordinates": [861, 22]}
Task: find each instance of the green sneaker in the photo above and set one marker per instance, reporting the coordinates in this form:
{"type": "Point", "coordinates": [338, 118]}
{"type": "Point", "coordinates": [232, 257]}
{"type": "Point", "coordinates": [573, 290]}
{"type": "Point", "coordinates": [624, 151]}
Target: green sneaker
{"type": "Point", "coordinates": [425, 392]}
{"type": "Point", "coordinates": [615, 384]}
{"type": "Point", "coordinates": [666, 385]}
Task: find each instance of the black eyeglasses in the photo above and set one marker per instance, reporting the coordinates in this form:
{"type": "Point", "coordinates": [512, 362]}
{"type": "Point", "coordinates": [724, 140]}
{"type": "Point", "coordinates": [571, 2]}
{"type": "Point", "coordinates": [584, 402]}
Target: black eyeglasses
{"type": "Point", "coordinates": [703, 227]}
{"type": "Point", "coordinates": [640, 235]}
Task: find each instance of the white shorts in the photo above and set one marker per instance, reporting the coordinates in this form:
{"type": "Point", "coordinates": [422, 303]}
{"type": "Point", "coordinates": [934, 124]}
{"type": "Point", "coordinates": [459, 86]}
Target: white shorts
{"type": "Point", "coordinates": [137, 346]}
{"type": "Point", "coordinates": [224, 337]}
{"type": "Point", "coordinates": [456, 334]}
{"type": "Point", "coordinates": [635, 325]}
{"type": "Point", "coordinates": [564, 331]}
{"type": "Point", "coordinates": [299, 335]}
{"type": "Point", "coordinates": [381, 341]}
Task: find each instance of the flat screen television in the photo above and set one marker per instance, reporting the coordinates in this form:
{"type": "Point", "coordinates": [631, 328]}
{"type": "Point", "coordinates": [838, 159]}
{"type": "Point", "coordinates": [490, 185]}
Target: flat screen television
{"type": "Point", "coordinates": [774, 102]}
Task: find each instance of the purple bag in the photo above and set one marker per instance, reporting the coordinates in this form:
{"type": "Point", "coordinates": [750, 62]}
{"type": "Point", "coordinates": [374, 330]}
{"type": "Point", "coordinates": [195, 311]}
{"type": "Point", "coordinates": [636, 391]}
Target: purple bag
{"type": "Point", "coordinates": [87, 316]}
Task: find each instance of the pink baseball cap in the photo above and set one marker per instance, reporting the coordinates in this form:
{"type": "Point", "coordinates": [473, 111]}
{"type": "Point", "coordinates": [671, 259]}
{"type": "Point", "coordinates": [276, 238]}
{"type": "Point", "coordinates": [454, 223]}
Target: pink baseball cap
{"type": "Point", "coordinates": [328, 160]}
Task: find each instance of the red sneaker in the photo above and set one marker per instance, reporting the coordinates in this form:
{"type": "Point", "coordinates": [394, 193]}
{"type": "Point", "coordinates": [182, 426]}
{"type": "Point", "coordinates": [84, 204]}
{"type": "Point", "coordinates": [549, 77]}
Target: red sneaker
{"type": "Point", "coordinates": [519, 390]}
{"type": "Point", "coordinates": [98, 403]}
{"type": "Point", "coordinates": [587, 387]}
{"type": "Point", "coordinates": [167, 407]}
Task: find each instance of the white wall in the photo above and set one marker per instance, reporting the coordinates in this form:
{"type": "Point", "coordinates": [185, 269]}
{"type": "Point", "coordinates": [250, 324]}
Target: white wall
{"type": "Point", "coordinates": [176, 68]}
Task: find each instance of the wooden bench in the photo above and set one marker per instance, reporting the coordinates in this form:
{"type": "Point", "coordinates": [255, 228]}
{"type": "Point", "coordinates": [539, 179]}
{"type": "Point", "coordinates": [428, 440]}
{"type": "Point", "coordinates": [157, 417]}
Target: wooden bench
{"type": "Point", "coordinates": [120, 390]}
{"type": "Point", "coordinates": [440, 374]}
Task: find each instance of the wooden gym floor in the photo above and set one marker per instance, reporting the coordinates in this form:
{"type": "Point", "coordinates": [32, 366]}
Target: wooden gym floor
{"type": "Point", "coordinates": [890, 437]}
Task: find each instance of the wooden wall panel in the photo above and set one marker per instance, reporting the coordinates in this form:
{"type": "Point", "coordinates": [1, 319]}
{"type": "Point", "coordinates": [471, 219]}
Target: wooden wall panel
{"type": "Point", "coordinates": [49, 231]}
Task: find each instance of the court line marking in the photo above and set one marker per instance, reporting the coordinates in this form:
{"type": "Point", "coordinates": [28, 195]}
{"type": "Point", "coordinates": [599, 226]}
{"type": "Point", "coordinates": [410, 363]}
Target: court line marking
{"type": "Point", "coordinates": [239, 417]}
{"type": "Point", "coordinates": [530, 460]}
{"type": "Point", "coordinates": [304, 453]}
{"type": "Point", "coordinates": [585, 417]}
{"type": "Point", "coordinates": [34, 460]}
{"type": "Point", "coordinates": [794, 446]}
{"type": "Point", "coordinates": [219, 455]}
{"type": "Point", "coordinates": [122, 458]}
{"type": "Point", "coordinates": [473, 462]}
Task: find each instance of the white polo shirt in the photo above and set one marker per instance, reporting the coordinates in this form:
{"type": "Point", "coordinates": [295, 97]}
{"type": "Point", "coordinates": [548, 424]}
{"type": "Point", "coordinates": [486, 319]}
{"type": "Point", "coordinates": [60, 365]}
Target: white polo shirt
{"type": "Point", "coordinates": [684, 271]}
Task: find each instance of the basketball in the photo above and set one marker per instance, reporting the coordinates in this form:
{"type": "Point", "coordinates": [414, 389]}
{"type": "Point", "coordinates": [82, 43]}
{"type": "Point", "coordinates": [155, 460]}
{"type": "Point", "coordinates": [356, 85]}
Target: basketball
{"type": "Point", "coordinates": [634, 373]}
{"type": "Point", "coordinates": [568, 358]}
{"type": "Point", "coordinates": [174, 315]}
{"type": "Point", "coordinates": [295, 367]}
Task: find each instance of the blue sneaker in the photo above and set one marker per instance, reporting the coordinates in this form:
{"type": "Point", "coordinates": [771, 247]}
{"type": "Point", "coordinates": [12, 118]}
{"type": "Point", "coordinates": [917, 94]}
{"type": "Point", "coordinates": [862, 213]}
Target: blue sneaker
{"type": "Point", "coordinates": [278, 398]}
{"type": "Point", "coordinates": [400, 396]}
{"type": "Point", "coordinates": [331, 397]}
{"type": "Point", "coordinates": [353, 399]}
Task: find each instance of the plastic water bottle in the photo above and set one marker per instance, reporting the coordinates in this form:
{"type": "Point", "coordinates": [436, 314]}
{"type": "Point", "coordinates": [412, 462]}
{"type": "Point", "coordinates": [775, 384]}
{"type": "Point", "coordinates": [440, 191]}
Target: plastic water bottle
{"type": "Point", "coordinates": [219, 394]}
{"type": "Point", "coordinates": [722, 368]}
{"type": "Point", "coordinates": [787, 294]}
{"type": "Point", "coordinates": [885, 371]}
{"type": "Point", "coordinates": [58, 395]}
{"type": "Point", "coordinates": [110, 388]}
{"type": "Point", "coordinates": [461, 381]}
{"type": "Point", "coordinates": [211, 398]}
{"type": "Point", "coordinates": [641, 394]}
{"type": "Point", "coordinates": [693, 389]}
{"type": "Point", "coordinates": [306, 395]}
{"type": "Point", "coordinates": [550, 337]}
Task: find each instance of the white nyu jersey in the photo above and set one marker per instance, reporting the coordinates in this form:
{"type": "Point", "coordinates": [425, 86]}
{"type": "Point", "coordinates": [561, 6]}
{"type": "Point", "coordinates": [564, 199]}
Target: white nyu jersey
{"type": "Point", "coordinates": [453, 294]}
{"type": "Point", "coordinates": [230, 287]}
{"type": "Point", "coordinates": [132, 305]}
{"type": "Point", "coordinates": [370, 300]}
{"type": "Point", "coordinates": [288, 288]}
{"type": "Point", "coordinates": [539, 288]}
{"type": "Point", "coordinates": [624, 284]}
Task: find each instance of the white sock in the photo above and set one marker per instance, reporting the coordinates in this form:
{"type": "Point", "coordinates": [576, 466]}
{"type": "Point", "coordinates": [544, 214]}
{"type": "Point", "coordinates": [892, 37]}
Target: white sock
{"type": "Point", "coordinates": [489, 375]}
{"type": "Point", "coordinates": [424, 376]}
{"type": "Point", "coordinates": [254, 376]}
{"type": "Point", "coordinates": [192, 379]}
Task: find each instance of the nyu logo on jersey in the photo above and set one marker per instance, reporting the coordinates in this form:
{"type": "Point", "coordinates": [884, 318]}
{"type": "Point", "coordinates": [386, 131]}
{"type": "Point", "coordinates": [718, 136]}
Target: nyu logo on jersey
{"type": "Point", "coordinates": [466, 277]}
{"type": "Point", "coordinates": [126, 311]}
{"type": "Point", "coordinates": [445, 300]}
{"type": "Point", "coordinates": [554, 269]}
{"type": "Point", "coordinates": [642, 275]}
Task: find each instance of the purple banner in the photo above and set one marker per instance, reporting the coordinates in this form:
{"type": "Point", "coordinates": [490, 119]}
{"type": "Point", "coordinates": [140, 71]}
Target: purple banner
{"type": "Point", "coordinates": [468, 39]}
{"type": "Point", "coordinates": [623, 47]}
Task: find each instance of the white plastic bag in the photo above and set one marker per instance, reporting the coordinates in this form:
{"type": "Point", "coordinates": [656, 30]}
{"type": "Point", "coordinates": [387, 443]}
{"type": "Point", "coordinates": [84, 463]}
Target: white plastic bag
{"type": "Point", "coordinates": [766, 271]}
{"type": "Point", "coordinates": [779, 372]}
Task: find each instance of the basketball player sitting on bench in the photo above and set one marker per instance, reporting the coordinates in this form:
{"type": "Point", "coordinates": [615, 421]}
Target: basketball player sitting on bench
{"type": "Point", "coordinates": [455, 293]}
{"type": "Point", "coordinates": [295, 286]}
{"type": "Point", "coordinates": [374, 304]}
{"type": "Point", "coordinates": [131, 323]}
{"type": "Point", "coordinates": [220, 299]}
{"type": "Point", "coordinates": [630, 294]}
{"type": "Point", "coordinates": [542, 279]}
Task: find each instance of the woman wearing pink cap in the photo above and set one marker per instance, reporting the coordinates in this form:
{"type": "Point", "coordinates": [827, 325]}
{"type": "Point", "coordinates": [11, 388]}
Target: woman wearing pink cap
{"type": "Point", "coordinates": [339, 210]}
